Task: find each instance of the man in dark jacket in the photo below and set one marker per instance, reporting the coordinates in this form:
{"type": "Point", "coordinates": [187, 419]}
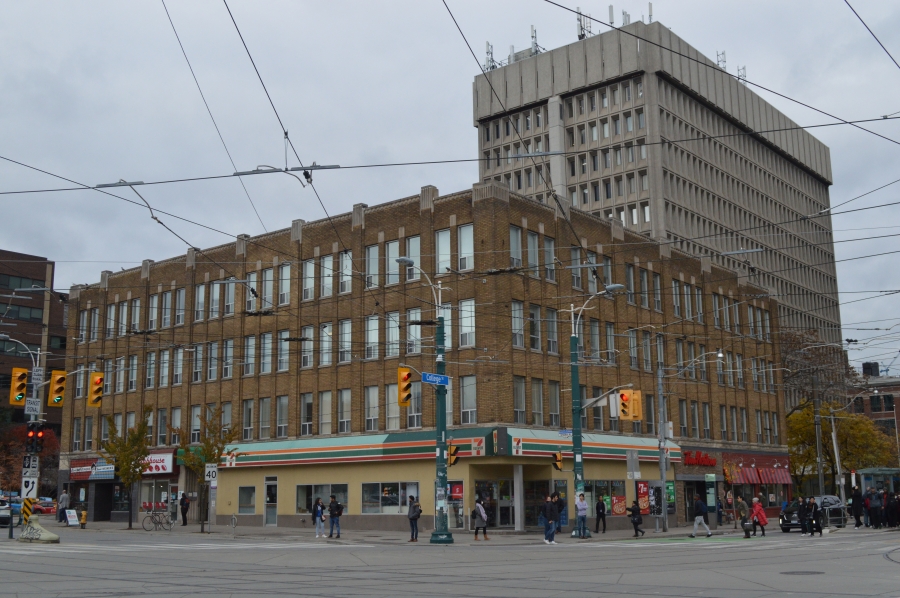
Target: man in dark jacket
{"type": "Point", "coordinates": [857, 506]}
{"type": "Point", "coordinates": [802, 513]}
{"type": "Point", "coordinates": [601, 515]}
{"type": "Point", "coordinates": [814, 515]}
{"type": "Point", "coordinates": [551, 518]}
{"type": "Point", "coordinates": [335, 510]}
{"type": "Point", "coordinates": [561, 507]}
{"type": "Point", "coordinates": [875, 505]}
{"type": "Point", "coordinates": [185, 504]}
{"type": "Point", "coordinates": [699, 511]}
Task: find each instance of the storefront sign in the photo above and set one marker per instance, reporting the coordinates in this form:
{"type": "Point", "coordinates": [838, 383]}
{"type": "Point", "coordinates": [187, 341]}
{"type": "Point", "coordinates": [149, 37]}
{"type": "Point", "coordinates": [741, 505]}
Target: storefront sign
{"type": "Point", "coordinates": [643, 497]}
{"type": "Point", "coordinates": [72, 518]}
{"type": "Point", "coordinates": [698, 458]}
{"type": "Point", "coordinates": [517, 446]}
{"type": "Point", "coordinates": [91, 469]}
{"type": "Point", "coordinates": [478, 447]}
{"type": "Point", "coordinates": [619, 505]}
{"type": "Point", "coordinates": [158, 464]}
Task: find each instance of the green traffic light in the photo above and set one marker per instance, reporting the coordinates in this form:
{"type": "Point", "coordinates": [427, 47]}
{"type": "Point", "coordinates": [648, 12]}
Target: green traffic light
{"type": "Point", "coordinates": [20, 396]}
{"type": "Point", "coordinates": [57, 399]}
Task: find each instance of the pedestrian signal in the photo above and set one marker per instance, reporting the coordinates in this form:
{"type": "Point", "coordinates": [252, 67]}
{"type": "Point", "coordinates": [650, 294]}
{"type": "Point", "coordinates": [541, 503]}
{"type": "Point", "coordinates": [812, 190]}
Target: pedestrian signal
{"type": "Point", "coordinates": [557, 461]}
{"type": "Point", "coordinates": [17, 386]}
{"type": "Point", "coordinates": [95, 392]}
{"type": "Point", "coordinates": [57, 388]}
{"type": "Point", "coordinates": [452, 454]}
{"type": "Point", "coordinates": [404, 386]}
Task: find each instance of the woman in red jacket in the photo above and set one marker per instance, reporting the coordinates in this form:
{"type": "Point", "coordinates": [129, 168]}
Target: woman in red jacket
{"type": "Point", "coordinates": [758, 516]}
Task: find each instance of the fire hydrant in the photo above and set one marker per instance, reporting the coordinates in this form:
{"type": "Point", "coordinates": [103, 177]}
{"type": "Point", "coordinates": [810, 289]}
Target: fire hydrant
{"type": "Point", "coordinates": [83, 519]}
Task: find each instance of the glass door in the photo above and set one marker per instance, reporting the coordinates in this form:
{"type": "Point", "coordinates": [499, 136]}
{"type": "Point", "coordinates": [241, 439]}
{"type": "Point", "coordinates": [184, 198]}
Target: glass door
{"type": "Point", "coordinates": [271, 501]}
{"type": "Point", "coordinates": [505, 504]}
{"type": "Point", "coordinates": [498, 501]}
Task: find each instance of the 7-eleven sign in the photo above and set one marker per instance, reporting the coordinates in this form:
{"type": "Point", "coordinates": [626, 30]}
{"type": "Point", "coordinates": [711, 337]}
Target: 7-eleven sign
{"type": "Point", "coordinates": [517, 447]}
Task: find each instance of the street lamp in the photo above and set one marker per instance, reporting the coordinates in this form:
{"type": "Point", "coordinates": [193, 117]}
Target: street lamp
{"type": "Point", "coordinates": [441, 533]}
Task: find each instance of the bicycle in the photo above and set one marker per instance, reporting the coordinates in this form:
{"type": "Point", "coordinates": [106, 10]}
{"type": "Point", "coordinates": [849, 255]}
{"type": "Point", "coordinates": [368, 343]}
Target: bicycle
{"type": "Point", "coordinates": [156, 520]}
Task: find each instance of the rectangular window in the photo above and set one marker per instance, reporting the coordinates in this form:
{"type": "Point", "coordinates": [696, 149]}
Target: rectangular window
{"type": "Point", "coordinates": [227, 358]}
{"type": "Point", "coordinates": [265, 418]}
{"type": "Point", "coordinates": [610, 342]}
{"type": "Point", "coordinates": [132, 372]}
{"type": "Point", "coordinates": [212, 363]}
{"type": "Point", "coordinates": [162, 427]}
{"type": "Point", "coordinates": [344, 411]}
{"type": "Point", "coordinates": [284, 284]}
{"type": "Point", "coordinates": [466, 246]}
{"type": "Point", "coordinates": [306, 414]}
{"type": "Point", "coordinates": [391, 267]}
{"type": "Point", "coordinates": [195, 424]}
{"type": "Point", "coordinates": [467, 323]}
{"type": "Point", "coordinates": [518, 400]}
{"type": "Point", "coordinates": [467, 401]}
{"type": "Point", "coordinates": [372, 260]}
{"type": "Point", "coordinates": [715, 307]}
{"type": "Point", "coordinates": [726, 313]}
{"type": "Point", "coordinates": [537, 402]}
{"type": "Point", "coordinates": [744, 425]}
{"type": "Point", "coordinates": [391, 407]}
{"type": "Point", "coordinates": [676, 297]}
{"type": "Point", "coordinates": [110, 320]}
{"type": "Point", "coordinates": [199, 302]}
{"type": "Point", "coordinates": [152, 308]}
{"type": "Point", "coordinates": [228, 308]}
{"type": "Point", "coordinates": [554, 404]}
{"type": "Point", "coordinates": [166, 309]}
{"type": "Point", "coordinates": [703, 373]}
{"type": "Point", "coordinates": [515, 247]}
{"type": "Point", "coordinates": [657, 292]}
{"type": "Point", "coordinates": [88, 433]}
{"type": "Point", "coordinates": [692, 361]}
{"type": "Point", "coordinates": [552, 337]}
{"type": "Point", "coordinates": [698, 304]}
{"type": "Point", "coordinates": [706, 429]}
{"type": "Point", "coordinates": [629, 283]}
{"type": "Point", "coordinates": [645, 288]}
{"type": "Point", "coordinates": [281, 417]}
{"type": "Point", "coordinates": [413, 331]}
{"type": "Point", "coordinates": [247, 414]}
{"type": "Point", "coordinates": [413, 252]}
{"type": "Point", "coordinates": [250, 292]}
{"type": "Point", "coordinates": [688, 312]}
{"type": "Point", "coordinates": [249, 355]}
{"type": "Point", "coordinates": [414, 411]}
{"type": "Point", "coordinates": [729, 367]}
{"type": "Point", "coordinates": [372, 337]}
{"type": "Point", "coordinates": [327, 273]}
{"type": "Point", "coordinates": [576, 272]}
{"type": "Point", "coordinates": [247, 500]}
{"type": "Point", "coordinates": [306, 347]}
{"type": "Point", "coordinates": [534, 327]}
{"type": "Point", "coordinates": [679, 356]}
{"type": "Point", "coordinates": [759, 427]}
{"type": "Point", "coordinates": [197, 363]}
{"type": "Point", "coordinates": [179, 306]}
{"type": "Point", "coordinates": [739, 366]}
{"type": "Point", "coordinates": [648, 351]}
{"type": "Point", "coordinates": [518, 324]}
{"type": "Point", "coordinates": [177, 365]}
{"type": "Point", "coordinates": [174, 425]}
{"type": "Point", "coordinates": [284, 351]}
{"type": "Point", "coordinates": [633, 348]}
{"type": "Point", "coordinates": [120, 374]}
{"type": "Point", "coordinates": [163, 368]}
{"type": "Point", "coordinates": [325, 412]}
{"type": "Point", "coordinates": [123, 318]}
{"type": "Point", "coordinates": [723, 421]}
{"type": "Point", "coordinates": [344, 341]}
{"type": "Point", "coordinates": [265, 353]}
{"type": "Point", "coordinates": [683, 417]}
{"type": "Point", "coordinates": [326, 339]}
{"type": "Point", "coordinates": [267, 299]}
{"type": "Point", "coordinates": [345, 278]}
{"type": "Point", "coordinates": [534, 261]}
{"type": "Point", "coordinates": [371, 408]}
{"type": "Point", "coordinates": [720, 371]}
{"type": "Point", "coordinates": [308, 284]}
{"type": "Point", "coordinates": [214, 290]}
{"type": "Point", "coordinates": [442, 251]}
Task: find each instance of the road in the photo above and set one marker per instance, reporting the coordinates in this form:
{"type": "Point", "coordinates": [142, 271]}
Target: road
{"type": "Point", "coordinates": [118, 563]}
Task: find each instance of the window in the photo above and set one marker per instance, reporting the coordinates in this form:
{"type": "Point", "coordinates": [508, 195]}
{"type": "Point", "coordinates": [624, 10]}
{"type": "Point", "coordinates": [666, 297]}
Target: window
{"type": "Point", "coordinates": [537, 402]}
{"type": "Point", "coordinates": [518, 400]}
{"type": "Point", "coordinates": [515, 246]}
{"type": "Point", "coordinates": [629, 283]}
{"type": "Point", "coordinates": [179, 307]}
{"type": "Point", "coordinates": [739, 366]}
{"type": "Point", "coordinates": [759, 427]}
{"type": "Point", "coordinates": [633, 348]}
{"type": "Point", "coordinates": [552, 338]}
{"type": "Point", "coordinates": [371, 408]}
{"type": "Point", "coordinates": [729, 367]}
{"type": "Point", "coordinates": [720, 371]}
{"type": "Point", "coordinates": [412, 252]}
{"type": "Point", "coordinates": [308, 276]}
{"type": "Point", "coordinates": [199, 301]}
{"type": "Point", "coordinates": [163, 369]}
{"type": "Point", "coordinates": [610, 342]}
{"type": "Point", "coordinates": [372, 337]}
{"type": "Point", "coordinates": [104, 430]}
{"type": "Point", "coordinates": [518, 324]}
{"type": "Point", "coordinates": [534, 327]}
{"type": "Point", "coordinates": [284, 284]}
{"type": "Point", "coordinates": [703, 373]}
{"type": "Point", "coordinates": [345, 278]}
{"type": "Point", "coordinates": [554, 403]}
{"type": "Point", "coordinates": [166, 309]}
{"type": "Point", "coordinates": [247, 500]}
{"type": "Point", "coordinates": [682, 416]}
{"type": "Point", "coordinates": [743, 424]}
{"type": "Point", "coordinates": [195, 424]}
{"type": "Point", "coordinates": [645, 290]}
{"type": "Point", "coordinates": [688, 312]}
{"type": "Point", "coordinates": [657, 292]}
{"type": "Point", "coordinates": [372, 260]}
{"type": "Point", "coordinates": [325, 412]}
{"type": "Point", "coordinates": [650, 414]}
{"type": "Point", "coordinates": [648, 352]}
{"type": "Point", "coordinates": [247, 415]}
{"type": "Point", "coordinates": [465, 246]}
{"type": "Point", "coordinates": [726, 313]}
{"type": "Point", "coordinates": [414, 411]}
{"type": "Point", "coordinates": [676, 297]}
{"type": "Point", "coordinates": [468, 406]}
{"type": "Point", "coordinates": [152, 307]}
{"type": "Point", "coordinates": [177, 365]}
{"type": "Point", "coordinates": [591, 272]}
{"type": "Point", "coordinates": [768, 427]}
{"type": "Point", "coordinates": [249, 355]}
{"type": "Point", "coordinates": [265, 353]}
{"type": "Point", "coordinates": [197, 363]}
{"type": "Point", "coordinates": [344, 411]}
{"type": "Point", "coordinates": [123, 318]}
{"type": "Point", "coordinates": [281, 417]}
{"type": "Point", "coordinates": [214, 290]}
{"type": "Point", "coordinates": [95, 319]}
{"type": "Point", "coordinates": [467, 323]}
{"type": "Point", "coordinates": [120, 374]}
{"type": "Point", "coordinates": [227, 358]}
{"type": "Point", "coordinates": [715, 306]}
{"type": "Point", "coordinates": [698, 304]}
{"type": "Point", "coordinates": [413, 331]}
{"type": "Point", "coordinates": [175, 425]}
{"type": "Point", "coordinates": [576, 272]}
{"type": "Point", "coordinates": [88, 433]}
{"type": "Point", "coordinates": [344, 342]}
{"type": "Point", "coordinates": [692, 361]}
{"type": "Point", "coordinates": [326, 338]}
{"type": "Point", "coordinates": [110, 320]}
{"type": "Point", "coordinates": [533, 257]}
{"type": "Point", "coordinates": [387, 497]}
{"type": "Point", "coordinates": [723, 421]}
{"type": "Point", "coordinates": [306, 414]}
{"type": "Point", "coordinates": [265, 418]}
{"type": "Point", "coordinates": [229, 298]}
{"type": "Point", "coordinates": [266, 296]}
{"type": "Point", "coordinates": [391, 408]}
{"type": "Point", "coordinates": [327, 272]}
{"type": "Point", "coordinates": [706, 428]}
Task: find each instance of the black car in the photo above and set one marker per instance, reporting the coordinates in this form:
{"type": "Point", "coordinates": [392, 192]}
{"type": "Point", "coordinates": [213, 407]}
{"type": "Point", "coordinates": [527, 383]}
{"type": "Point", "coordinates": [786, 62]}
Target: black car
{"type": "Point", "coordinates": [5, 513]}
{"type": "Point", "coordinates": [831, 509]}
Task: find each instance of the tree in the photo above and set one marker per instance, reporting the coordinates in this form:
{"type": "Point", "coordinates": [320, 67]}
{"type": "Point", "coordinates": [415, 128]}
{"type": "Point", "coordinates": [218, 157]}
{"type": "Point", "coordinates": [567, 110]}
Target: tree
{"type": "Point", "coordinates": [128, 452]}
{"type": "Point", "coordinates": [211, 446]}
{"type": "Point", "coordinates": [861, 442]}
{"type": "Point", "coordinates": [813, 368]}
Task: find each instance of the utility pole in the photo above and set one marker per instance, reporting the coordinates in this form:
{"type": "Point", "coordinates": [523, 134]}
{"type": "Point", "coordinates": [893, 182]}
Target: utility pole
{"type": "Point", "coordinates": [441, 533]}
{"type": "Point", "coordinates": [662, 425]}
{"type": "Point", "coordinates": [818, 421]}
{"type": "Point", "coordinates": [577, 447]}
{"type": "Point", "coordinates": [837, 460]}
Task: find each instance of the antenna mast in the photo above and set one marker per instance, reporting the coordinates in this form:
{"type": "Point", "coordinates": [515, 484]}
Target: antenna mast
{"type": "Point", "coordinates": [720, 59]}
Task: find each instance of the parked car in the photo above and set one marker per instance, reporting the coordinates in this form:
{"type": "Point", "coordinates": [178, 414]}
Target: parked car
{"type": "Point", "coordinates": [5, 513]}
{"type": "Point", "coordinates": [833, 512]}
{"type": "Point", "coordinates": [44, 508]}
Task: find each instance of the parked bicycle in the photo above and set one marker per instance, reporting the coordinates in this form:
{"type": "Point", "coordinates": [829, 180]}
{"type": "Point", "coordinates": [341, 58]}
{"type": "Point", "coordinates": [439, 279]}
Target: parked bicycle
{"type": "Point", "coordinates": [158, 519]}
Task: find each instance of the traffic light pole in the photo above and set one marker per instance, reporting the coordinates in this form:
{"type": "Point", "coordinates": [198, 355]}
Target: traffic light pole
{"type": "Point", "coordinates": [662, 425]}
{"type": "Point", "coordinates": [577, 447]}
{"type": "Point", "coordinates": [441, 533]}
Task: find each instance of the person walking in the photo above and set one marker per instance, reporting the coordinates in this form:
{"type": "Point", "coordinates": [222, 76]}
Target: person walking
{"type": "Point", "coordinates": [414, 512]}
{"type": "Point", "coordinates": [62, 503]}
{"type": "Point", "coordinates": [600, 509]}
{"type": "Point", "coordinates": [551, 518]}
{"type": "Point", "coordinates": [636, 518]}
{"type": "Point", "coordinates": [581, 508]}
{"type": "Point", "coordinates": [480, 519]}
{"type": "Point", "coordinates": [856, 506]}
{"type": "Point", "coordinates": [758, 516]}
{"type": "Point", "coordinates": [335, 510]}
{"type": "Point", "coordinates": [185, 503]}
{"type": "Point", "coordinates": [814, 516]}
{"type": "Point", "coordinates": [319, 516]}
{"type": "Point", "coordinates": [720, 511]}
{"type": "Point", "coordinates": [742, 511]}
{"type": "Point", "coordinates": [803, 516]}
{"type": "Point", "coordinates": [699, 511]}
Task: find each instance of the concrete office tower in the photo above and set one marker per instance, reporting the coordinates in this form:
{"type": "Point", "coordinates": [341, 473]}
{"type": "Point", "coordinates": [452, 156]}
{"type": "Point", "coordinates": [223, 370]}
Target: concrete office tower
{"type": "Point", "coordinates": [676, 149]}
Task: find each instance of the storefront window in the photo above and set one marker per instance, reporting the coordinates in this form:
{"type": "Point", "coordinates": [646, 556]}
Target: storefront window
{"type": "Point", "coordinates": [455, 510]}
{"type": "Point", "coordinates": [388, 497]}
{"type": "Point", "coordinates": [308, 493]}
{"type": "Point", "coordinates": [612, 491]}
{"type": "Point", "coordinates": [247, 500]}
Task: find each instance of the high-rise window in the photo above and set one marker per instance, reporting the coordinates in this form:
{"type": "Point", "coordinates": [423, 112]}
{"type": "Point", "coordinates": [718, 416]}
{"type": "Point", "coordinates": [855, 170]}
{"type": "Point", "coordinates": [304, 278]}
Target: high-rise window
{"type": "Point", "coordinates": [265, 353]}
{"type": "Point", "coordinates": [250, 292]}
{"type": "Point", "coordinates": [177, 365]}
{"type": "Point", "coordinates": [372, 337]}
{"type": "Point", "coordinates": [197, 363]}
{"type": "Point", "coordinates": [212, 361]}
{"type": "Point", "coordinates": [518, 324]}
{"type": "Point", "coordinates": [166, 309]}
{"type": "Point", "coordinates": [227, 358]}
{"type": "Point", "coordinates": [163, 368]}
{"type": "Point", "coordinates": [413, 331]}
{"type": "Point", "coordinates": [179, 306]}
{"type": "Point", "coordinates": [306, 347]}
{"type": "Point", "coordinates": [549, 258]}
{"type": "Point", "coordinates": [249, 355]}
{"type": "Point", "coordinates": [552, 337]}
{"type": "Point", "coordinates": [199, 301]}
{"type": "Point", "coordinates": [150, 370]}
{"type": "Point", "coordinates": [214, 291]}
{"type": "Point", "coordinates": [284, 351]}
{"type": "Point", "coordinates": [534, 260]}
{"type": "Point", "coordinates": [267, 299]}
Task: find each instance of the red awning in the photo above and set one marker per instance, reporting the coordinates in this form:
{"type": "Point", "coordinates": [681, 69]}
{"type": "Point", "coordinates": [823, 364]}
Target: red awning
{"type": "Point", "coordinates": [782, 476]}
{"type": "Point", "coordinates": [746, 475]}
{"type": "Point", "coordinates": [766, 475]}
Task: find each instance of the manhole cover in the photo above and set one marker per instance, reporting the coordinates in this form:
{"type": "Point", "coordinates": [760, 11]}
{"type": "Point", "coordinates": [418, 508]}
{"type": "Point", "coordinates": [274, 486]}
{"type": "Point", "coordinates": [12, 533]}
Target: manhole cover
{"type": "Point", "coordinates": [802, 572]}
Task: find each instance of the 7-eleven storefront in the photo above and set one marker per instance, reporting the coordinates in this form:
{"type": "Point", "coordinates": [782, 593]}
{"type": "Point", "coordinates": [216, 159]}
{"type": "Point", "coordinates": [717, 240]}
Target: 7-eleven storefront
{"type": "Point", "coordinates": [276, 483]}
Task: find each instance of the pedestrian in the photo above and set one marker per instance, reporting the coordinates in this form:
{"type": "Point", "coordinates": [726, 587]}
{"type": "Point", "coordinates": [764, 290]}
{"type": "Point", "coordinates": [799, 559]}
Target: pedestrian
{"type": "Point", "coordinates": [551, 518]}
{"type": "Point", "coordinates": [856, 506]}
{"type": "Point", "coordinates": [319, 516]}
{"type": "Point", "coordinates": [561, 507]}
{"type": "Point", "coordinates": [814, 516]}
{"type": "Point", "coordinates": [479, 517]}
{"type": "Point", "coordinates": [335, 510]}
{"type": "Point", "coordinates": [415, 511]}
{"type": "Point", "coordinates": [875, 506]}
{"type": "Point", "coordinates": [803, 516]}
{"type": "Point", "coordinates": [601, 515]}
{"type": "Point", "coordinates": [699, 511]}
{"type": "Point", "coordinates": [185, 504]}
{"type": "Point", "coordinates": [581, 508]}
{"type": "Point", "coordinates": [720, 511]}
{"type": "Point", "coordinates": [890, 510]}
{"type": "Point", "coordinates": [742, 511]}
{"type": "Point", "coordinates": [636, 519]}
{"type": "Point", "coordinates": [62, 503]}
{"type": "Point", "coordinates": [866, 499]}
{"type": "Point", "coordinates": [758, 515]}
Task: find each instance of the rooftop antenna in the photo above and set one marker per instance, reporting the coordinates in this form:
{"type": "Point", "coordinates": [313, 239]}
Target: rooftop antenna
{"type": "Point", "coordinates": [612, 16]}
{"type": "Point", "coordinates": [489, 63]}
{"type": "Point", "coordinates": [651, 12]}
{"type": "Point", "coordinates": [720, 59]}
{"type": "Point", "coordinates": [742, 74]}
{"type": "Point", "coordinates": [579, 27]}
{"type": "Point", "coordinates": [512, 54]}
{"type": "Point", "coordinates": [626, 18]}
{"type": "Point", "coordinates": [534, 46]}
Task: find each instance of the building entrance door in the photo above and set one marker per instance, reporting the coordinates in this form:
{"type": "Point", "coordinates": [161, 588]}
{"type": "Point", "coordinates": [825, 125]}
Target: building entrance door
{"type": "Point", "coordinates": [498, 501]}
{"type": "Point", "coordinates": [271, 500]}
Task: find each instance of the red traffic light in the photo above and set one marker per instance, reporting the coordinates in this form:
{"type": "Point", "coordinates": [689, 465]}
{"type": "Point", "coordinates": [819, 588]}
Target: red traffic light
{"type": "Point", "coordinates": [30, 433]}
{"type": "Point", "coordinates": [40, 434]}
{"type": "Point", "coordinates": [98, 380]}
{"type": "Point", "coordinates": [404, 376]}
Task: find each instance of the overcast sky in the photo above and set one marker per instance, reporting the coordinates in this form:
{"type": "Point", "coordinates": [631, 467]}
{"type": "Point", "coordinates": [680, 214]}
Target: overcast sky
{"type": "Point", "coordinates": [99, 91]}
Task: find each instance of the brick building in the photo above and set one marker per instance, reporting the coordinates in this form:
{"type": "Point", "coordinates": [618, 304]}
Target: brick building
{"type": "Point", "coordinates": [879, 404]}
{"type": "Point", "coordinates": [307, 366]}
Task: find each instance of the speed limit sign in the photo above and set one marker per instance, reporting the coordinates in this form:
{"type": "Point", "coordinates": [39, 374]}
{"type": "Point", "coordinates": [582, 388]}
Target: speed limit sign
{"type": "Point", "coordinates": [212, 472]}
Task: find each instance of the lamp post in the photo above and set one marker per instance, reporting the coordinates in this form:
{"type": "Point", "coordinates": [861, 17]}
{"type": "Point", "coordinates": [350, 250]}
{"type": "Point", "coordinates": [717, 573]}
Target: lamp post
{"type": "Point", "coordinates": [441, 533]}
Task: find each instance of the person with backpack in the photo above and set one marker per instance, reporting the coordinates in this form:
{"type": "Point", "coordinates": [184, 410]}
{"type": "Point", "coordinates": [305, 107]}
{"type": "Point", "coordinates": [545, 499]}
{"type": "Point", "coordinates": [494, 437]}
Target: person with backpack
{"type": "Point", "coordinates": [335, 510]}
{"type": "Point", "coordinates": [758, 516]}
{"type": "Point", "coordinates": [601, 515]}
{"type": "Point", "coordinates": [185, 504]}
{"type": "Point", "coordinates": [479, 519]}
{"type": "Point", "coordinates": [636, 518]}
{"type": "Point", "coordinates": [699, 511]}
{"type": "Point", "coordinates": [415, 511]}
{"type": "Point", "coordinates": [319, 516]}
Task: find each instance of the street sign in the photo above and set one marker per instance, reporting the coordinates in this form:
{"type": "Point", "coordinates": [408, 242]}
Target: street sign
{"type": "Point", "coordinates": [435, 379]}
{"type": "Point", "coordinates": [32, 406]}
{"type": "Point", "coordinates": [565, 432]}
{"type": "Point", "coordinates": [29, 487]}
{"type": "Point", "coordinates": [37, 376]}
{"type": "Point", "coordinates": [212, 472]}
{"type": "Point", "coordinates": [30, 466]}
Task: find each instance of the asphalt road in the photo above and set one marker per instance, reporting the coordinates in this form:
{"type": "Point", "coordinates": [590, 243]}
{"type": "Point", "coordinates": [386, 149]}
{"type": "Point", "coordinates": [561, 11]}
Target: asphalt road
{"type": "Point", "coordinates": [114, 563]}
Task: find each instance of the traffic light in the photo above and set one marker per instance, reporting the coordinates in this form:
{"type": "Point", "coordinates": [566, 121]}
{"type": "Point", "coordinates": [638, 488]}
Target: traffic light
{"type": "Point", "coordinates": [95, 392]}
{"type": "Point", "coordinates": [557, 461]}
{"type": "Point", "coordinates": [57, 388]}
{"type": "Point", "coordinates": [452, 454]}
{"type": "Point", "coordinates": [39, 438]}
{"type": "Point", "coordinates": [637, 405]}
{"type": "Point", "coordinates": [625, 404]}
{"type": "Point", "coordinates": [404, 386]}
{"type": "Point", "coordinates": [631, 406]}
{"type": "Point", "coordinates": [31, 437]}
{"type": "Point", "coordinates": [17, 386]}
